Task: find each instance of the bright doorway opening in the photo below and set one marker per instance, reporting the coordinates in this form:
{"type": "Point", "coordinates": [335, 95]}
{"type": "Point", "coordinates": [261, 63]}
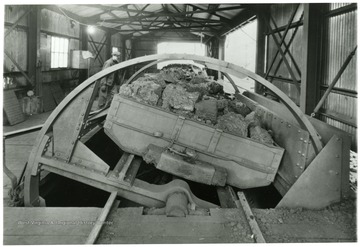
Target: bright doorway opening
{"type": "Point", "coordinates": [194, 48]}
{"type": "Point", "coordinates": [240, 49]}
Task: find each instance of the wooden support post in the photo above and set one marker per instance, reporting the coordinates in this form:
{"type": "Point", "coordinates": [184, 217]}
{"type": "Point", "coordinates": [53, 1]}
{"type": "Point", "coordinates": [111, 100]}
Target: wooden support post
{"type": "Point", "coordinates": [84, 47]}
{"type": "Point", "coordinates": [260, 46]}
{"type": "Point", "coordinates": [108, 45]}
{"type": "Point", "coordinates": [221, 52]}
{"type": "Point", "coordinates": [123, 48]}
{"type": "Point", "coordinates": [310, 83]}
{"type": "Point", "coordinates": [34, 62]}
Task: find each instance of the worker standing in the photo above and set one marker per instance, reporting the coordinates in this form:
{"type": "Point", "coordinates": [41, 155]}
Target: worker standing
{"type": "Point", "coordinates": [108, 84]}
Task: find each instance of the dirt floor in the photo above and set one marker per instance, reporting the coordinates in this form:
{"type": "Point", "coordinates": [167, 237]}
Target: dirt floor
{"type": "Point", "coordinates": [336, 223]}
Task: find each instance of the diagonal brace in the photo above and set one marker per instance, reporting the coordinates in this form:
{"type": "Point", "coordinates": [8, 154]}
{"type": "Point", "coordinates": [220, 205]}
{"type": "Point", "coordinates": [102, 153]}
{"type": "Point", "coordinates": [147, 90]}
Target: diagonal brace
{"type": "Point", "coordinates": [282, 41]}
{"type": "Point", "coordinates": [288, 47]}
{"type": "Point", "coordinates": [285, 60]}
{"type": "Point", "coordinates": [337, 77]}
{"type": "Point", "coordinates": [16, 23]}
{"type": "Point", "coordinates": [96, 49]}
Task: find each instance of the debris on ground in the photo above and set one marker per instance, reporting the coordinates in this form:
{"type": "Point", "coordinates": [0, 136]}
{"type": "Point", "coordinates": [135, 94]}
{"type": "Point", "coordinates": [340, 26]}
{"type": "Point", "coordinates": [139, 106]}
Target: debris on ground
{"type": "Point", "coordinates": [186, 90]}
{"type": "Point", "coordinates": [353, 171]}
{"type": "Point", "coordinates": [335, 223]}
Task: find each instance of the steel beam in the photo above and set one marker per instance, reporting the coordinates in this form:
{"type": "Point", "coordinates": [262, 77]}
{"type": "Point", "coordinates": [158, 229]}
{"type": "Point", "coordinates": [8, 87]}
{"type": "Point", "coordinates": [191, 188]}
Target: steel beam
{"type": "Point", "coordinates": [342, 10]}
{"type": "Point", "coordinates": [260, 45]}
{"type": "Point", "coordinates": [83, 74]}
{"type": "Point", "coordinates": [154, 15]}
{"type": "Point", "coordinates": [333, 83]}
{"type": "Point", "coordinates": [141, 192]}
{"type": "Point", "coordinates": [34, 60]}
{"type": "Point", "coordinates": [310, 83]}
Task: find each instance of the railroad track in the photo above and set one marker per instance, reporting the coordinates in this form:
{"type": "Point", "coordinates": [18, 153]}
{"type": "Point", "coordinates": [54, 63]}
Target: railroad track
{"type": "Point", "coordinates": [239, 200]}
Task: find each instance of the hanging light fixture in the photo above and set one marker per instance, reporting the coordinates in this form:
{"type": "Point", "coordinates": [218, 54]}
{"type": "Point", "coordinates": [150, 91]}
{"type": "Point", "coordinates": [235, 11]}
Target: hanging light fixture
{"type": "Point", "coordinates": [91, 29]}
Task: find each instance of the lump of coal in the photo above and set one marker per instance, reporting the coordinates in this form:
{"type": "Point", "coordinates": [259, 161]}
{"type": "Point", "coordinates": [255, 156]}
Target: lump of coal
{"type": "Point", "coordinates": [253, 119]}
{"type": "Point", "coordinates": [234, 123]}
{"type": "Point", "coordinates": [142, 90]}
{"type": "Point", "coordinates": [222, 104]}
{"type": "Point", "coordinates": [259, 134]}
{"type": "Point", "coordinates": [174, 73]}
{"type": "Point", "coordinates": [198, 79]}
{"type": "Point", "coordinates": [201, 88]}
{"type": "Point", "coordinates": [176, 97]}
{"type": "Point", "coordinates": [207, 110]}
{"type": "Point", "coordinates": [239, 107]}
{"type": "Point", "coordinates": [216, 88]}
{"type": "Point", "coordinates": [155, 77]}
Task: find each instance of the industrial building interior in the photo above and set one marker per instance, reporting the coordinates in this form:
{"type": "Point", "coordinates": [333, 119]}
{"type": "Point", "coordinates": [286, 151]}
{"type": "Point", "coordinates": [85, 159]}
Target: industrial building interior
{"type": "Point", "coordinates": [180, 123]}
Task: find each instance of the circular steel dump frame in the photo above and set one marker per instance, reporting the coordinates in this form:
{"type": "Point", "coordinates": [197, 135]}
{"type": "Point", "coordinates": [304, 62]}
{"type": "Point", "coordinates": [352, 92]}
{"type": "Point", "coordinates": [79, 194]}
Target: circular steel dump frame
{"type": "Point", "coordinates": [31, 184]}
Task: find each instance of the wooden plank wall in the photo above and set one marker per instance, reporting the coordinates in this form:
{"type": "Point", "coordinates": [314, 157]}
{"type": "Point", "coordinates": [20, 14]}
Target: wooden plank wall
{"type": "Point", "coordinates": [66, 77]}
{"type": "Point", "coordinates": [16, 44]}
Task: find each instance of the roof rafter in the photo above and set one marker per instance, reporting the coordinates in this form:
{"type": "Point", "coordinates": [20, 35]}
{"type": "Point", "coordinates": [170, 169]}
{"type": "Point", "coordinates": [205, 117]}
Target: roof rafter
{"type": "Point", "coordinates": [153, 15]}
{"type": "Point", "coordinates": [214, 13]}
{"type": "Point", "coordinates": [198, 28]}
